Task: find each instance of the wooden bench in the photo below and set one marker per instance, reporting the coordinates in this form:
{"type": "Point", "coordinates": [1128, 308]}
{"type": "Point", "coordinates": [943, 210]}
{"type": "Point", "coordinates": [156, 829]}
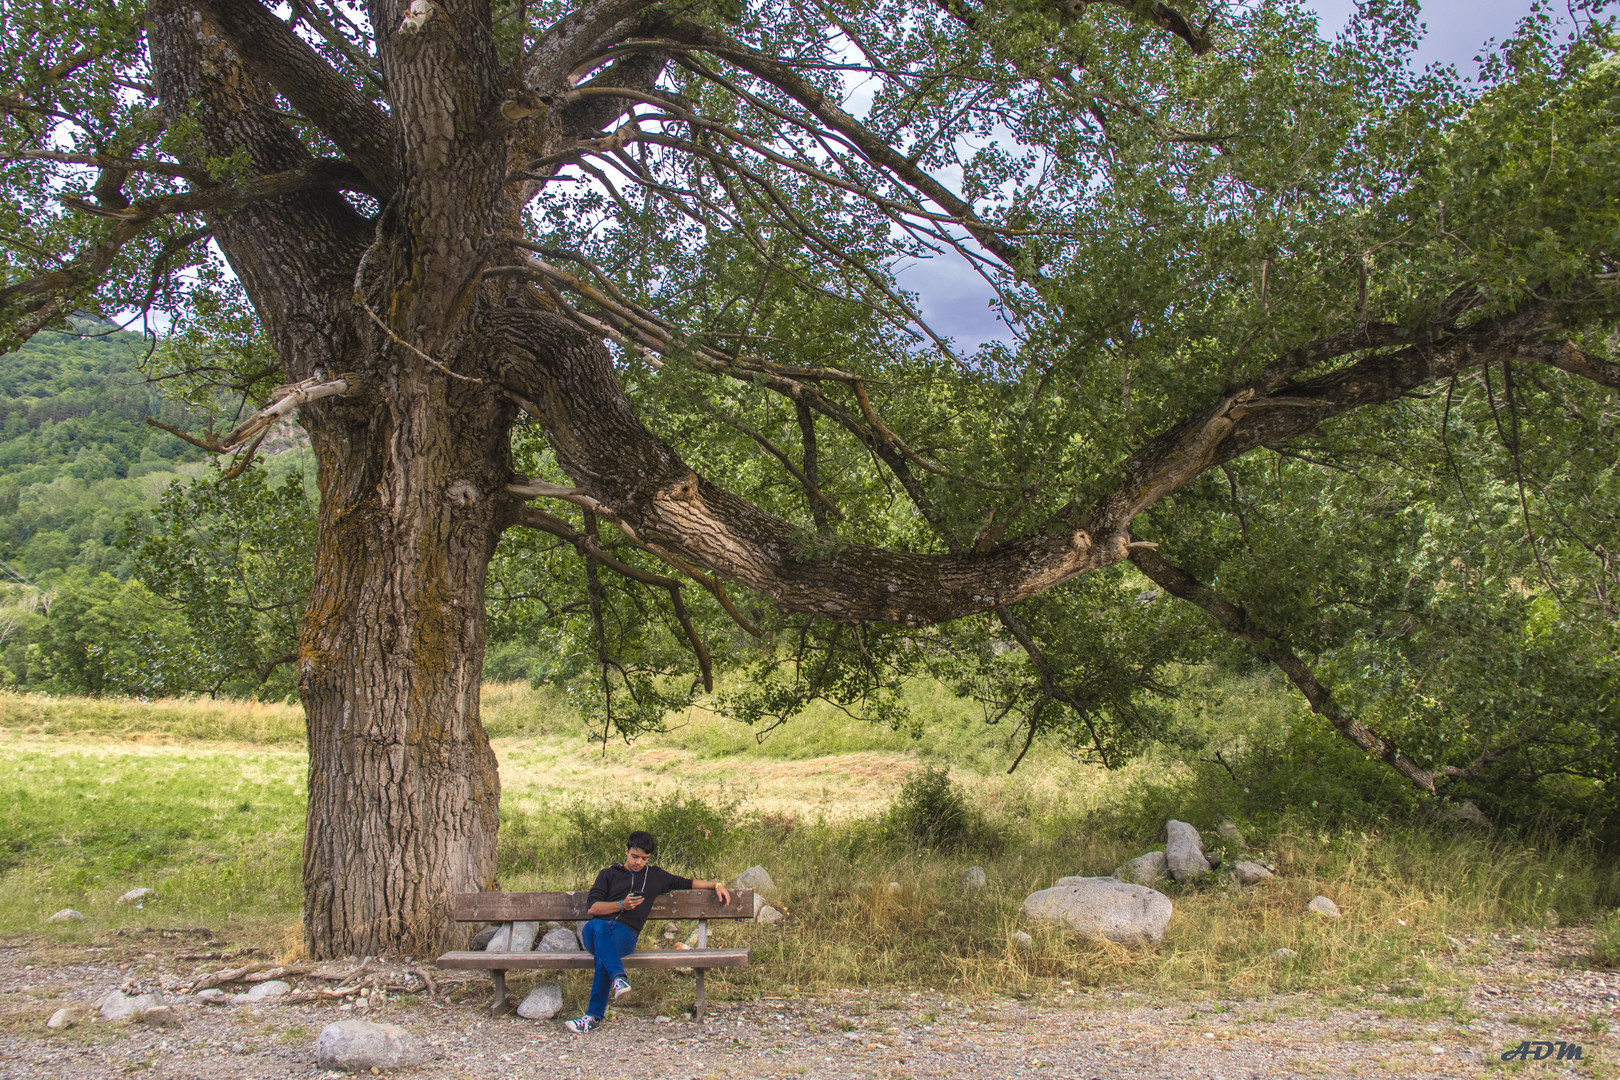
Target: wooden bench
{"type": "Point", "coordinates": [541, 907]}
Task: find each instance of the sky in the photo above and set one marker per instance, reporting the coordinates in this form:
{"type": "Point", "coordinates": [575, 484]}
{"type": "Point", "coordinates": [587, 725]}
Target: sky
{"type": "Point", "coordinates": [955, 300]}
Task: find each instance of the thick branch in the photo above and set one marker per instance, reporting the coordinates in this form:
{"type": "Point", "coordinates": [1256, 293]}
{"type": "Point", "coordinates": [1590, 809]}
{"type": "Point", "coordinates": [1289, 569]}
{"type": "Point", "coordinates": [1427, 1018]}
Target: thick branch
{"type": "Point", "coordinates": [1235, 621]}
{"type": "Point", "coordinates": [323, 96]}
{"type": "Point", "coordinates": [283, 400]}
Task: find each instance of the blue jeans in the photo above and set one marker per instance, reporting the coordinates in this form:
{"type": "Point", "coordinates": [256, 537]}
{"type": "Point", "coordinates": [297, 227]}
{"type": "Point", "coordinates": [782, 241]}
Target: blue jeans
{"type": "Point", "coordinates": [610, 943]}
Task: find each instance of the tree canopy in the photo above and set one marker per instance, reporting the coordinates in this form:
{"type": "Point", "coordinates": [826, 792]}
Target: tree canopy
{"type": "Point", "coordinates": [606, 292]}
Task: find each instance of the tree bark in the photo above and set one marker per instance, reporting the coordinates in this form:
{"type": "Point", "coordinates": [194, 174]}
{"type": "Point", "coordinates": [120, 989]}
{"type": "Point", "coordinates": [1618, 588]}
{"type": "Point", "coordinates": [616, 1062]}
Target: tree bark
{"type": "Point", "coordinates": [403, 789]}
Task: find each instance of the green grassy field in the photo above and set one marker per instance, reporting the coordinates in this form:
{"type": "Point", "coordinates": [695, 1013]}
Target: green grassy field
{"type": "Point", "coordinates": [203, 801]}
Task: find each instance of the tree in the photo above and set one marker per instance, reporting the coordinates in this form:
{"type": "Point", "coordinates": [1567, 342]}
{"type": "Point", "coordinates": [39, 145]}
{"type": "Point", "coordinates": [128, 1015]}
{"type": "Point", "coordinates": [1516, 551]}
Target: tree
{"type": "Point", "coordinates": [1210, 232]}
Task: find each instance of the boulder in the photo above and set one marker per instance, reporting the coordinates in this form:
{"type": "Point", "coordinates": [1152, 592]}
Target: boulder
{"type": "Point", "coordinates": [558, 939]}
{"type": "Point", "coordinates": [1149, 869]}
{"type": "Point", "coordinates": [1022, 941]}
{"type": "Point", "coordinates": [265, 991]}
{"type": "Point", "coordinates": [1184, 851]}
{"type": "Point", "coordinates": [756, 878]}
{"type": "Point", "coordinates": [1245, 872]}
{"type": "Point", "coordinates": [213, 996]}
{"type": "Point", "coordinates": [480, 940]}
{"type": "Point", "coordinates": [120, 1006]}
{"type": "Point", "coordinates": [502, 940]}
{"type": "Point", "coordinates": [1323, 906]}
{"type": "Point", "coordinates": [543, 1002]}
{"type": "Point", "coordinates": [769, 915]}
{"type": "Point", "coordinates": [973, 878]}
{"type": "Point", "coordinates": [138, 897]}
{"type": "Point", "coordinates": [1466, 813]}
{"type": "Point", "coordinates": [1103, 908]}
{"type": "Point", "coordinates": [67, 914]}
{"type": "Point", "coordinates": [523, 936]}
{"type": "Point", "coordinates": [360, 1046]}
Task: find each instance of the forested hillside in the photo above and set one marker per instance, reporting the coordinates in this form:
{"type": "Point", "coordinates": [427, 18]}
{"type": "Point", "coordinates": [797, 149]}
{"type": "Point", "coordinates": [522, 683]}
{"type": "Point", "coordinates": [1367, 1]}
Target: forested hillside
{"type": "Point", "coordinates": [81, 474]}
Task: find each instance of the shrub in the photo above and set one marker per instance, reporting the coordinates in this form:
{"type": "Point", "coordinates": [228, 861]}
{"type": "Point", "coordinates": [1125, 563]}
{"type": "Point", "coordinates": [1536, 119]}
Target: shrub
{"type": "Point", "coordinates": [931, 811]}
{"type": "Point", "coordinates": [692, 833]}
{"type": "Point", "coordinates": [1606, 941]}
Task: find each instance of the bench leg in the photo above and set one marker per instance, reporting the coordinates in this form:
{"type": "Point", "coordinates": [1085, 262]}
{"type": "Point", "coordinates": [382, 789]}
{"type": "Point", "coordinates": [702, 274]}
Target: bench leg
{"type": "Point", "coordinates": [702, 1000]}
{"type": "Point", "coordinates": [503, 1005]}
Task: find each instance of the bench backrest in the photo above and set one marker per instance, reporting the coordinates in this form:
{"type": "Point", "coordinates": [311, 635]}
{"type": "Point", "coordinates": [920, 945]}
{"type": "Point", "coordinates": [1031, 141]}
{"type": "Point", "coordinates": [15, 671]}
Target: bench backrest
{"type": "Point", "coordinates": [570, 906]}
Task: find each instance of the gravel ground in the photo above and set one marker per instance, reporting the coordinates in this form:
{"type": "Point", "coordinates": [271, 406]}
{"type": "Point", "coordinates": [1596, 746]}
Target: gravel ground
{"type": "Point", "coordinates": [1528, 987]}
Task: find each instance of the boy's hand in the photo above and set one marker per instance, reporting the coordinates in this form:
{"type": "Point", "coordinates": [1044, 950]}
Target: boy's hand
{"type": "Point", "coordinates": [720, 891]}
{"type": "Point", "coordinates": [632, 902]}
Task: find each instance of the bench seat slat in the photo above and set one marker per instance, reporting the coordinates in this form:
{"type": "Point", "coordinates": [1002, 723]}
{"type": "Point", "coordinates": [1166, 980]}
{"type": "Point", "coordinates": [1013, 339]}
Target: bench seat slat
{"type": "Point", "coordinates": [570, 906]}
{"type": "Point", "coordinates": [657, 958]}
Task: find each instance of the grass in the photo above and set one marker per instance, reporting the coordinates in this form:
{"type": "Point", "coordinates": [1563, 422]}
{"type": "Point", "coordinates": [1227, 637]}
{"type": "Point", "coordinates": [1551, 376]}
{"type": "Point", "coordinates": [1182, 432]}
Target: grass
{"type": "Point", "coordinates": [204, 801]}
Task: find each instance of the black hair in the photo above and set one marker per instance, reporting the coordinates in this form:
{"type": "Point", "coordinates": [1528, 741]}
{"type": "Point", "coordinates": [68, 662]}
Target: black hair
{"type": "Point", "coordinates": [643, 840]}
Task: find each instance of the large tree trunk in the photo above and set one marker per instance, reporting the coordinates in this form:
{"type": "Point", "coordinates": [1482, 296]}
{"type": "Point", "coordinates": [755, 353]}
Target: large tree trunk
{"type": "Point", "coordinates": [403, 790]}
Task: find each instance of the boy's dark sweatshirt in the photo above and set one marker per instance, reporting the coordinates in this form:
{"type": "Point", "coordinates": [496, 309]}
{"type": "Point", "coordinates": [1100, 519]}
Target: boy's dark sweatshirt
{"type": "Point", "coordinates": [615, 883]}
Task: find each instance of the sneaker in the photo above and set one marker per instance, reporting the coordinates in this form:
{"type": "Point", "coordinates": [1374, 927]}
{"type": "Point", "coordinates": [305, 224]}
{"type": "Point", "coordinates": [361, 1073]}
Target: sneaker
{"type": "Point", "coordinates": [583, 1024]}
{"type": "Point", "coordinates": [621, 987]}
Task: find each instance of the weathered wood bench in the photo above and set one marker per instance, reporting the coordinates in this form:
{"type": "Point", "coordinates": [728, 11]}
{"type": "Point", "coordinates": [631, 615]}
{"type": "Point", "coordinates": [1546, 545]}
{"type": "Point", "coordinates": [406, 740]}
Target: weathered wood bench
{"type": "Point", "coordinates": [540, 907]}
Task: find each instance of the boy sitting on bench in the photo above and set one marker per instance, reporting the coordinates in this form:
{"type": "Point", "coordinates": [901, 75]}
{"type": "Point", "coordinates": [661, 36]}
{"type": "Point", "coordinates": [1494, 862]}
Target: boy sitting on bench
{"type": "Point", "coordinates": [619, 904]}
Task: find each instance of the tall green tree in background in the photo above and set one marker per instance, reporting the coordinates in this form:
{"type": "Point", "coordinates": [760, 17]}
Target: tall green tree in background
{"type": "Point", "coordinates": [654, 245]}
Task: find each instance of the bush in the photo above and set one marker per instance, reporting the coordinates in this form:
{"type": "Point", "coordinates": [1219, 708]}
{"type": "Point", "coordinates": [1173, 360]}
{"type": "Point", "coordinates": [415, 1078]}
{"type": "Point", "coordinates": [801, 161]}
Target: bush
{"type": "Point", "coordinates": [1606, 941]}
{"type": "Point", "coordinates": [692, 834]}
{"type": "Point", "coordinates": [932, 812]}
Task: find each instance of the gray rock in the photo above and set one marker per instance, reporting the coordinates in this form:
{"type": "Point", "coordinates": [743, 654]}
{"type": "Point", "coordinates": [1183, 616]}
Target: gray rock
{"type": "Point", "coordinates": [756, 878]}
{"type": "Point", "coordinates": [1184, 851]}
{"type": "Point", "coordinates": [1456, 946]}
{"type": "Point", "coordinates": [1227, 830]}
{"type": "Point", "coordinates": [213, 996]}
{"type": "Point", "coordinates": [120, 1006]}
{"type": "Point", "coordinates": [360, 1046]}
{"type": "Point", "coordinates": [1149, 869]}
{"type": "Point", "coordinates": [1284, 954]}
{"type": "Point", "coordinates": [759, 904]}
{"type": "Point", "coordinates": [165, 1016]}
{"type": "Point", "coordinates": [973, 878]}
{"type": "Point", "coordinates": [1466, 813]}
{"type": "Point", "coordinates": [138, 897]}
{"type": "Point", "coordinates": [523, 936]}
{"type": "Point", "coordinates": [558, 939]}
{"type": "Point", "coordinates": [543, 1002]}
{"type": "Point", "coordinates": [502, 939]}
{"type": "Point", "coordinates": [1023, 942]}
{"type": "Point", "coordinates": [1323, 906]}
{"type": "Point", "coordinates": [67, 914]}
{"type": "Point", "coordinates": [480, 941]}
{"type": "Point", "coordinates": [769, 915]}
{"type": "Point", "coordinates": [1245, 872]}
{"type": "Point", "coordinates": [1103, 908]}
{"type": "Point", "coordinates": [63, 1018]}
{"type": "Point", "coordinates": [270, 988]}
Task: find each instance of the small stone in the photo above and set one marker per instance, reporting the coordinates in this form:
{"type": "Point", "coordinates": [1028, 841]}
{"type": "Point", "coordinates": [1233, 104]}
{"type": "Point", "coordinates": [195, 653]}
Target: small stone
{"type": "Point", "coordinates": [271, 988]}
{"type": "Point", "coordinates": [1023, 942]}
{"type": "Point", "coordinates": [1456, 946]}
{"type": "Point", "coordinates": [973, 878]}
{"type": "Point", "coordinates": [1227, 830]}
{"type": "Point", "coordinates": [756, 878]}
{"type": "Point", "coordinates": [502, 939]}
{"type": "Point", "coordinates": [769, 915]}
{"type": "Point", "coordinates": [140, 897]}
{"type": "Point", "coordinates": [164, 1016]}
{"type": "Point", "coordinates": [523, 934]}
{"type": "Point", "coordinates": [120, 1006]}
{"type": "Point", "coordinates": [543, 1002]}
{"type": "Point", "coordinates": [1408, 988]}
{"type": "Point", "coordinates": [213, 996]}
{"type": "Point", "coordinates": [662, 1020]}
{"type": "Point", "coordinates": [1184, 851]}
{"type": "Point", "coordinates": [67, 914]}
{"type": "Point", "coordinates": [558, 939]}
{"type": "Point", "coordinates": [1437, 1050]}
{"type": "Point", "coordinates": [360, 1046]}
{"type": "Point", "coordinates": [1149, 870]}
{"type": "Point", "coordinates": [62, 1019]}
{"type": "Point", "coordinates": [1285, 954]}
{"type": "Point", "coordinates": [1323, 906]}
{"type": "Point", "coordinates": [893, 886]}
{"type": "Point", "coordinates": [1245, 872]}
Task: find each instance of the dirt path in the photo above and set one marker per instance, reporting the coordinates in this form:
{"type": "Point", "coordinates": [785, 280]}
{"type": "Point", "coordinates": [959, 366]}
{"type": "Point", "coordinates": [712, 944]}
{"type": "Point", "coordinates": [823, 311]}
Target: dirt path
{"type": "Point", "coordinates": [1527, 990]}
